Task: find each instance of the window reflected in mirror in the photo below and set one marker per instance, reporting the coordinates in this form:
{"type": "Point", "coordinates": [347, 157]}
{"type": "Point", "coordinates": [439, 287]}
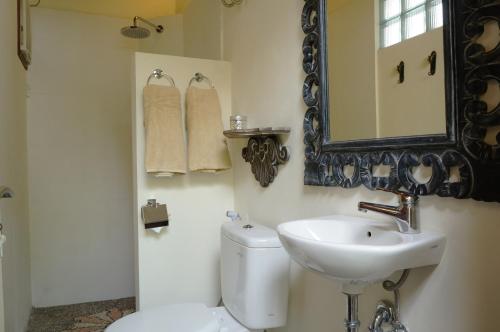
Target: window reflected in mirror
{"type": "Point", "coordinates": [404, 19]}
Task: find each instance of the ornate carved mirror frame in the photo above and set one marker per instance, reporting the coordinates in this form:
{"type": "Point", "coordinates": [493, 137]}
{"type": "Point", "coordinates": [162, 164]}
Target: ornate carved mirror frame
{"type": "Point", "coordinates": [469, 68]}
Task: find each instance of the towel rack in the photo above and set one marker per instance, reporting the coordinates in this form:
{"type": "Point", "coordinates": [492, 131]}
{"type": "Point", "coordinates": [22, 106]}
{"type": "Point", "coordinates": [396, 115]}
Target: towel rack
{"type": "Point", "coordinates": [199, 77]}
{"type": "Point", "coordinates": [159, 74]}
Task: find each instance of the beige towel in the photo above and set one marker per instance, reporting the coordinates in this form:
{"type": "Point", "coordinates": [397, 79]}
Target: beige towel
{"type": "Point", "coordinates": [165, 145]}
{"type": "Point", "coordinates": [207, 147]}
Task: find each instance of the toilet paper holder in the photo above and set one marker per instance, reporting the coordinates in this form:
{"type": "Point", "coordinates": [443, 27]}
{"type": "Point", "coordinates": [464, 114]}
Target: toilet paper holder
{"type": "Point", "coordinates": [154, 214]}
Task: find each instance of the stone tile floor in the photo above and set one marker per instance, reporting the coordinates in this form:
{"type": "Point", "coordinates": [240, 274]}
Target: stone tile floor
{"type": "Point", "coordinates": [85, 317]}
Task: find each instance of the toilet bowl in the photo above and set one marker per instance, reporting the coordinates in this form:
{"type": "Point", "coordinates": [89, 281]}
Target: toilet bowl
{"type": "Point", "coordinates": [254, 280]}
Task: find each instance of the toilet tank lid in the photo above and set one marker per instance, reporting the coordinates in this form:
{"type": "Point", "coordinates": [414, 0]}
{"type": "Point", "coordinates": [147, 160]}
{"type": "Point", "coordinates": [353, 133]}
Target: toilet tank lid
{"type": "Point", "coordinates": [250, 234]}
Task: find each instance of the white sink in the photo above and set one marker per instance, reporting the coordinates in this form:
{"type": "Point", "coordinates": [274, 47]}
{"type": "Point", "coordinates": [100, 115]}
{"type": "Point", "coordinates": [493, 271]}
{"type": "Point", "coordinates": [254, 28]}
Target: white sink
{"type": "Point", "coordinates": [358, 251]}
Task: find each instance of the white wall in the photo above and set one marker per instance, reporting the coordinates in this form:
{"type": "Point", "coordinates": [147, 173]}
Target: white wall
{"type": "Point", "coordinates": [263, 41]}
{"type": "Point", "coordinates": [181, 264]}
{"type": "Point", "coordinates": [13, 170]}
{"type": "Point", "coordinates": [202, 29]}
{"type": "Point", "coordinates": [80, 172]}
{"type": "Point", "coordinates": [353, 64]}
{"type": "Point", "coordinates": [397, 102]}
{"type": "Point", "coordinates": [170, 41]}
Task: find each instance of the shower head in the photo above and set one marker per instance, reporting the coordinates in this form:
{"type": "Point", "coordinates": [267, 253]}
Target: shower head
{"type": "Point", "coordinates": [137, 32]}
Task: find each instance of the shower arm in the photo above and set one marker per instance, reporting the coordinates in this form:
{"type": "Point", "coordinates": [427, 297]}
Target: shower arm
{"type": "Point", "coordinates": [159, 28]}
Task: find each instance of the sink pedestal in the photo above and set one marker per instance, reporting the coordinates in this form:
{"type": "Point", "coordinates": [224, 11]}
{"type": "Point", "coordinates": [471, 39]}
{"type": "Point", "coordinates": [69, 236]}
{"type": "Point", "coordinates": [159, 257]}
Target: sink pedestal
{"type": "Point", "coordinates": [352, 322]}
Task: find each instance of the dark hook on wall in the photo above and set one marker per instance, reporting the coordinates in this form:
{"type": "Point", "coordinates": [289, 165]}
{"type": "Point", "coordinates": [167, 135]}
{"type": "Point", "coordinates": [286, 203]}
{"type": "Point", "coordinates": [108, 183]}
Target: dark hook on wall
{"type": "Point", "coordinates": [401, 70]}
{"type": "Point", "coordinates": [432, 62]}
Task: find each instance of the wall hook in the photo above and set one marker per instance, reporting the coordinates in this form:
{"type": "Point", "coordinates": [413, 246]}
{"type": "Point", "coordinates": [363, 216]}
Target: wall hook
{"type": "Point", "coordinates": [6, 192]}
{"type": "Point", "coordinates": [401, 70]}
{"type": "Point", "coordinates": [432, 62]}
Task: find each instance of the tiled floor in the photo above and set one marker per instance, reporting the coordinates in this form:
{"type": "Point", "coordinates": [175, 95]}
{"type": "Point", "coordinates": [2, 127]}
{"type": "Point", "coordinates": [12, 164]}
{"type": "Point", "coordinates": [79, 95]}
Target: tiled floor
{"type": "Point", "coordinates": [86, 317]}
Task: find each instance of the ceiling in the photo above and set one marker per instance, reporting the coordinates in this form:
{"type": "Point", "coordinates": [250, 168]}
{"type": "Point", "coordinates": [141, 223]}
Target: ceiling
{"type": "Point", "coordinates": [120, 8]}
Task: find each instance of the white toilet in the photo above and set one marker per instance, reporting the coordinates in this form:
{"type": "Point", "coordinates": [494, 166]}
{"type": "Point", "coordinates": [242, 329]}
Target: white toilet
{"type": "Point", "coordinates": [254, 279]}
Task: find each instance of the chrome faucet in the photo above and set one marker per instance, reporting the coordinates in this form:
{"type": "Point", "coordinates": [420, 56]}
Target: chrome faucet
{"type": "Point", "coordinates": [405, 214]}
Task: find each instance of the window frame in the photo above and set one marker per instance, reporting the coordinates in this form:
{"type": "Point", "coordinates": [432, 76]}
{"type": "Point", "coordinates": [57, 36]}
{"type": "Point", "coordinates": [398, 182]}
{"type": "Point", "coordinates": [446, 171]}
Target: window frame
{"type": "Point", "coordinates": [403, 16]}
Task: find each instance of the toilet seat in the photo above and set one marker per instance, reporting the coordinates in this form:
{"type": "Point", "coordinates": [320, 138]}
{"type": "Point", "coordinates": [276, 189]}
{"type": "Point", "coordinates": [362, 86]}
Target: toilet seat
{"type": "Point", "coordinates": [172, 318]}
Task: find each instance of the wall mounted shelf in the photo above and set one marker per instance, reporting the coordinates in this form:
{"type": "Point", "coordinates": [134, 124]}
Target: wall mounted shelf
{"type": "Point", "coordinates": [264, 151]}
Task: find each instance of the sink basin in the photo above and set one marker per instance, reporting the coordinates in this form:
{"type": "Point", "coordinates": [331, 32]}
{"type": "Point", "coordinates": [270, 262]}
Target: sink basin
{"type": "Point", "coordinates": [357, 251]}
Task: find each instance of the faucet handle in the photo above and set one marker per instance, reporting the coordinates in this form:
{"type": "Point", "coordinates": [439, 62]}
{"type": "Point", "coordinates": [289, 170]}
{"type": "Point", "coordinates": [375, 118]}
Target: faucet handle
{"type": "Point", "coordinates": [403, 195]}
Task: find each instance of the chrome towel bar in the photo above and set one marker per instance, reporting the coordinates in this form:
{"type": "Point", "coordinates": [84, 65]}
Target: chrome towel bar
{"type": "Point", "coordinates": [199, 77]}
{"type": "Point", "coordinates": [159, 74]}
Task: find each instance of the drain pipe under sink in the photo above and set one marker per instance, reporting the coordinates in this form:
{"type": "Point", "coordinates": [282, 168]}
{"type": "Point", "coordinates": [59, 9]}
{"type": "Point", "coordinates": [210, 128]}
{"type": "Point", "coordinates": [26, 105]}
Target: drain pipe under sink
{"type": "Point", "coordinates": [352, 322]}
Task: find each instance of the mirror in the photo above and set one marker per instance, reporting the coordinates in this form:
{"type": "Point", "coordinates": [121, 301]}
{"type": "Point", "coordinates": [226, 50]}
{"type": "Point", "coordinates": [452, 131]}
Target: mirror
{"type": "Point", "coordinates": [366, 114]}
{"type": "Point", "coordinates": [379, 68]}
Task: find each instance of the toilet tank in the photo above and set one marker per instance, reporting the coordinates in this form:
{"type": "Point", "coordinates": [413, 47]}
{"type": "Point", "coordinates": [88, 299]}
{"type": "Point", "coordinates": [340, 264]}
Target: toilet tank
{"type": "Point", "coordinates": [254, 275]}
